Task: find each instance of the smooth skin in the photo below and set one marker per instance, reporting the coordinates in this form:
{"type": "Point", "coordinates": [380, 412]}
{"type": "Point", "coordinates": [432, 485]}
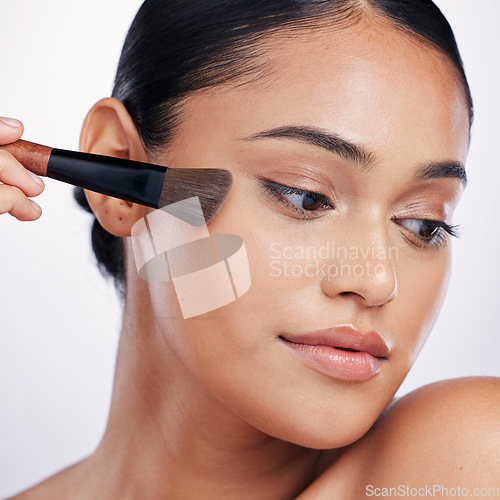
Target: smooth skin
{"type": "Point", "coordinates": [216, 406]}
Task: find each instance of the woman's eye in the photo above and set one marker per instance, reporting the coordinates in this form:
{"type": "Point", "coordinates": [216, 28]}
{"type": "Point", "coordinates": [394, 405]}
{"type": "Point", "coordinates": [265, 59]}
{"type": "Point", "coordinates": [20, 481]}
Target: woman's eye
{"type": "Point", "coordinates": [429, 232]}
{"type": "Point", "coordinates": [305, 202]}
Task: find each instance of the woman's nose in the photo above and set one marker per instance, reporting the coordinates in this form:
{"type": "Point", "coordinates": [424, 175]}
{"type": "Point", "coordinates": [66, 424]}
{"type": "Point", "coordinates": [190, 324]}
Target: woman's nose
{"type": "Point", "coordinates": [365, 270]}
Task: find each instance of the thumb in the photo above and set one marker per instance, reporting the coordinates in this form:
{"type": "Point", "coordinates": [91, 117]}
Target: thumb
{"type": "Point", "coordinates": [10, 130]}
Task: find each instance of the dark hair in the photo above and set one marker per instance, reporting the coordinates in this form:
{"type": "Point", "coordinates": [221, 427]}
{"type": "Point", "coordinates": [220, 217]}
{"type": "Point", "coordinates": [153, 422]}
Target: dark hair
{"type": "Point", "coordinates": [175, 47]}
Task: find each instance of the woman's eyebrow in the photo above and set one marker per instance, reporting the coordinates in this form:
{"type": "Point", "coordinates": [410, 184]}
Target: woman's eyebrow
{"type": "Point", "coordinates": [454, 169]}
{"type": "Point", "coordinates": [317, 137]}
{"type": "Point", "coordinates": [355, 153]}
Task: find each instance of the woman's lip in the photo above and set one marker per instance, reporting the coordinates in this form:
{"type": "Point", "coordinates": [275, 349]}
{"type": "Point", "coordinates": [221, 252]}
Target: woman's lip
{"type": "Point", "coordinates": [325, 352]}
{"type": "Point", "coordinates": [346, 337]}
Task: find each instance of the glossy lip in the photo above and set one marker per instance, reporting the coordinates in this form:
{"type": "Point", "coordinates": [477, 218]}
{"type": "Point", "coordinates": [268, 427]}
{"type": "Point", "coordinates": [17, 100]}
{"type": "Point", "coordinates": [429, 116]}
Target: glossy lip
{"type": "Point", "coordinates": [325, 351]}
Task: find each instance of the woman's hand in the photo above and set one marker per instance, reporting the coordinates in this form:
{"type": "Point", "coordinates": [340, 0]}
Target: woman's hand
{"type": "Point", "coordinates": [17, 183]}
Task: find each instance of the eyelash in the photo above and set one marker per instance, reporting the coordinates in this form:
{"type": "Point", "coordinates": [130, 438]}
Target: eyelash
{"type": "Point", "coordinates": [280, 191]}
{"type": "Point", "coordinates": [438, 240]}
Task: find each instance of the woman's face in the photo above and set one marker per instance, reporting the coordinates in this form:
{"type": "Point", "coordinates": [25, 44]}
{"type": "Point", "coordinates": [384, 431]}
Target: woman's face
{"type": "Point", "coordinates": [359, 256]}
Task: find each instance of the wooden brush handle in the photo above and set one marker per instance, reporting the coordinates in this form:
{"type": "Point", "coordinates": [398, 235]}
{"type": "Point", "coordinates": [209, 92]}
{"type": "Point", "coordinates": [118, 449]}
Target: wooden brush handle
{"type": "Point", "coordinates": [34, 157]}
{"type": "Point", "coordinates": [138, 182]}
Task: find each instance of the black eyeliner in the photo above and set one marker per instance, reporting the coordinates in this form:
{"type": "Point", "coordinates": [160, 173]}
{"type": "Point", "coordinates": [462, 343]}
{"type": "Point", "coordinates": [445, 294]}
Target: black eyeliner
{"type": "Point", "coordinates": [277, 190]}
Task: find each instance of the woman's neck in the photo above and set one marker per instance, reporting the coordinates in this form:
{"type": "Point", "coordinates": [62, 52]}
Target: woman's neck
{"type": "Point", "coordinates": [169, 437]}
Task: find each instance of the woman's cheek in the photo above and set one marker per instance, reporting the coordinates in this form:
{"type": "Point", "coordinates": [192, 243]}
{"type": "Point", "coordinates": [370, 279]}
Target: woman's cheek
{"type": "Point", "coordinates": [422, 286]}
{"type": "Point", "coordinates": [165, 303]}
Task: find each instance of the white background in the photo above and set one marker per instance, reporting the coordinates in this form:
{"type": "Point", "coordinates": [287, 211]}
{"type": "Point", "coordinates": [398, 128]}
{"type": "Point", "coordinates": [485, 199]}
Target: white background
{"type": "Point", "coordinates": [60, 320]}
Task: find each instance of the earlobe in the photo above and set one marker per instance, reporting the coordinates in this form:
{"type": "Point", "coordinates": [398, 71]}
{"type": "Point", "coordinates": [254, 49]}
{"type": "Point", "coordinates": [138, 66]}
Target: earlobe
{"type": "Point", "coordinates": [109, 130]}
{"type": "Point", "coordinates": [115, 215]}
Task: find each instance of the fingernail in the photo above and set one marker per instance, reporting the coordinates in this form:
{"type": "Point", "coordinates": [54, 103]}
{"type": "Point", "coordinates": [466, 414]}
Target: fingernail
{"type": "Point", "coordinates": [36, 206]}
{"type": "Point", "coordinates": [35, 178]}
{"type": "Point", "coordinates": [12, 122]}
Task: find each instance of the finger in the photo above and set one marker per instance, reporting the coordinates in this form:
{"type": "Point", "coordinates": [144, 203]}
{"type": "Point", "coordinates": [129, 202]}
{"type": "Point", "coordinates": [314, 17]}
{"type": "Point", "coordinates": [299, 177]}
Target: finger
{"type": "Point", "coordinates": [14, 174]}
{"type": "Point", "coordinates": [10, 130]}
{"type": "Point", "coordinates": [13, 201]}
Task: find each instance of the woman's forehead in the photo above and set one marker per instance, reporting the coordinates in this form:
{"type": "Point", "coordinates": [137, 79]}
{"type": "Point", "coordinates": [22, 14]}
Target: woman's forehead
{"type": "Point", "coordinates": [376, 86]}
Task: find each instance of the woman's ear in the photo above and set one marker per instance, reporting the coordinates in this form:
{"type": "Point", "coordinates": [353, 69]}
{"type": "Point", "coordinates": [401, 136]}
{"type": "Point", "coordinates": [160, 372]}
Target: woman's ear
{"type": "Point", "coordinates": [109, 130]}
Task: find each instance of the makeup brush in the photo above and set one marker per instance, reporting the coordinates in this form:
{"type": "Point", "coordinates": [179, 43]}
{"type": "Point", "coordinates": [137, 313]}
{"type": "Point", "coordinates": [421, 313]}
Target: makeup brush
{"type": "Point", "coordinates": [143, 183]}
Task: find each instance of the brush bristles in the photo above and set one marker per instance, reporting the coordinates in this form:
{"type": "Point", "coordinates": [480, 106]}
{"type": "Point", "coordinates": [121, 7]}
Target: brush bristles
{"type": "Point", "coordinates": [210, 185]}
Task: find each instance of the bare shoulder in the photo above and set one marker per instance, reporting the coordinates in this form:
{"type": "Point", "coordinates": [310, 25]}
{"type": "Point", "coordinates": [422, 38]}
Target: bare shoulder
{"type": "Point", "coordinates": [445, 433]}
{"type": "Point", "coordinates": [65, 484]}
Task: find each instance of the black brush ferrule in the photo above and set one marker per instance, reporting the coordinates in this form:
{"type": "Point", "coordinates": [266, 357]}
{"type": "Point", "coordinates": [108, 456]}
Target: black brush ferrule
{"type": "Point", "coordinates": [129, 180]}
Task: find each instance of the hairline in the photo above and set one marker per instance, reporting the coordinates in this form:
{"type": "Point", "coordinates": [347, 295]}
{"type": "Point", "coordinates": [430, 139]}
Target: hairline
{"type": "Point", "coordinates": [261, 73]}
